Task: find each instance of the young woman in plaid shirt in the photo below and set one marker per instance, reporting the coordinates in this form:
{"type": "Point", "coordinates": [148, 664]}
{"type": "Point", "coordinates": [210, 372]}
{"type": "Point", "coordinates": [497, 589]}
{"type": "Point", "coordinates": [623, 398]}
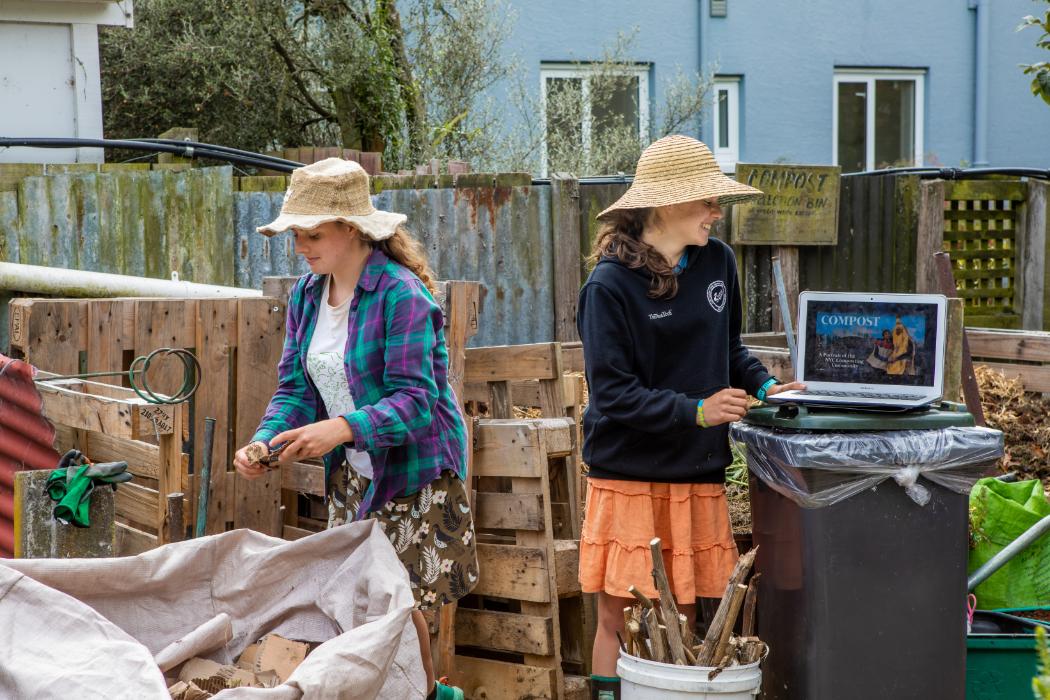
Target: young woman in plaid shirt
{"type": "Point", "coordinates": [363, 383]}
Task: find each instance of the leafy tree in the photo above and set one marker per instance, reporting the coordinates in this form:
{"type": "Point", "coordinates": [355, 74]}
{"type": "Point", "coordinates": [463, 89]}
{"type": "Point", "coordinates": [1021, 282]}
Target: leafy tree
{"type": "Point", "coordinates": [1040, 71]}
{"type": "Point", "coordinates": [264, 73]}
{"type": "Point", "coordinates": [196, 64]}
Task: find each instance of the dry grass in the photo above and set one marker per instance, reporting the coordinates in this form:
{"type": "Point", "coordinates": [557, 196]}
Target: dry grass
{"type": "Point", "coordinates": [1024, 419]}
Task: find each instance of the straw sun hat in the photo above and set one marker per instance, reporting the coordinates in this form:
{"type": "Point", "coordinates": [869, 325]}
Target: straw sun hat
{"type": "Point", "coordinates": [332, 189]}
{"type": "Point", "coordinates": [678, 169]}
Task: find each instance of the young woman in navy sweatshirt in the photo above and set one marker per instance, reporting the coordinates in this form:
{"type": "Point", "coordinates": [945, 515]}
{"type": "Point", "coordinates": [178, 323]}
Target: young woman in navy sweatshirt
{"type": "Point", "coordinates": [660, 319]}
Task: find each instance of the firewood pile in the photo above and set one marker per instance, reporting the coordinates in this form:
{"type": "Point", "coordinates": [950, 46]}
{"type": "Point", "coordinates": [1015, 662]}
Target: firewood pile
{"type": "Point", "coordinates": [655, 630]}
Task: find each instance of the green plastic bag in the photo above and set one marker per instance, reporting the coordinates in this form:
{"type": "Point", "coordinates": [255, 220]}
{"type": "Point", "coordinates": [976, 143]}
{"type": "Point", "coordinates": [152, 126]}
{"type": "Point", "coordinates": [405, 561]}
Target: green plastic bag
{"type": "Point", "coordinates": [999, 513]}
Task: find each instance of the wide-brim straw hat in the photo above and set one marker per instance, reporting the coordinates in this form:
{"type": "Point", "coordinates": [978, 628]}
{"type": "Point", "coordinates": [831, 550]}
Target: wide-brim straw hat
{"type": "Point", "coordinates": [677, 169]}
{"type": "Point", "coordinates": [332, 189]}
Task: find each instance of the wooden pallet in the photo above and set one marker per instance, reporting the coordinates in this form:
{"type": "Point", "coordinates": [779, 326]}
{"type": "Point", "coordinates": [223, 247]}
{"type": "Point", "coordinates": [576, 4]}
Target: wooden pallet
{"type": "Point", "coordinates": [238, 343]}
{"type": "Point", "coordinates": [109, 423]}
{"type": "Point", "coordinates": [509, 630]}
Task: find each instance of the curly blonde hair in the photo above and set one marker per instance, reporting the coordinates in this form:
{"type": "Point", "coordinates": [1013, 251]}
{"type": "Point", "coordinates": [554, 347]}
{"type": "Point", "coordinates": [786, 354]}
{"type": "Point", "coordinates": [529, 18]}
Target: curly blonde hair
{"type": "Point", "coordinates": [406, 250]}
{"type": "Point", "coordinates": [620, 237]}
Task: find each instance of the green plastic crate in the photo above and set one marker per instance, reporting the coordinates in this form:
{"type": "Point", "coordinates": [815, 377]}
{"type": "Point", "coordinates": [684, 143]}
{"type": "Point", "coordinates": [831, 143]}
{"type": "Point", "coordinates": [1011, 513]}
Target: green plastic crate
{"type": "Point", "coordinates": [1000, 666]}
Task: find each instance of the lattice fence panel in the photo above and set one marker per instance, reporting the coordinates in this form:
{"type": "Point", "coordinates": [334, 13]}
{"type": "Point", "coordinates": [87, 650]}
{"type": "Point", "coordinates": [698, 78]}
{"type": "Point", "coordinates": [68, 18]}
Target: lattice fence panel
{"type": "Point", "coordinates": [981, 232]}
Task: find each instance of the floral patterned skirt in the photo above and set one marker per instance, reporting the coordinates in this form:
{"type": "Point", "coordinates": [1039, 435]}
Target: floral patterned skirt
{"type": "Point", "coordinates": [432, 531]}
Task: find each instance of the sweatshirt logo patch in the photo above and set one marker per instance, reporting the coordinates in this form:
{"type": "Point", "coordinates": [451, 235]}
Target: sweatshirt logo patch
{"type": "Point", "coordinates": [716, 295]}
{"type": "Point", "coordinates": [662, 314]}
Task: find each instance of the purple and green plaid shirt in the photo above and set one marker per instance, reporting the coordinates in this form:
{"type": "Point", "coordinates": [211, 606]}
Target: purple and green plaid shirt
{"type": "Point", "coordinates": [407, 417]}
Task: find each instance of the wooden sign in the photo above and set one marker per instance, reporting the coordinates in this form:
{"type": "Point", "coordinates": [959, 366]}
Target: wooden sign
{"type": "Point", "coordinates": [800, 205]}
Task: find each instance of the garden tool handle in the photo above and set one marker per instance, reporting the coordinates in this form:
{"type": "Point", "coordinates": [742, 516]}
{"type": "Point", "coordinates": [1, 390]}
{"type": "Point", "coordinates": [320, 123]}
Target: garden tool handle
{"type": "Point", "coordinates": [1008, 552]}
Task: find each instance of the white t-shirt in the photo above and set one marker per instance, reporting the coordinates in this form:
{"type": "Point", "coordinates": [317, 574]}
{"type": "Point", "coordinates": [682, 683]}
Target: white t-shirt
{"type": "Point", "coordinates": [324, 362]}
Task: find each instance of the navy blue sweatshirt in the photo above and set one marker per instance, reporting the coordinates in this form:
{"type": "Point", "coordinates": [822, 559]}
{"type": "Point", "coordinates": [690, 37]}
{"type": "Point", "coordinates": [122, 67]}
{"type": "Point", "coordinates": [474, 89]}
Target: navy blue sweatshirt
{"type": "Point", "coordinates": [649, 361]}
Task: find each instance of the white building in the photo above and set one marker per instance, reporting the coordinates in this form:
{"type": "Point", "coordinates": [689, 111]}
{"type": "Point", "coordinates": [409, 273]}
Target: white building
{"type": "Point", "coordinates": [50, 84]}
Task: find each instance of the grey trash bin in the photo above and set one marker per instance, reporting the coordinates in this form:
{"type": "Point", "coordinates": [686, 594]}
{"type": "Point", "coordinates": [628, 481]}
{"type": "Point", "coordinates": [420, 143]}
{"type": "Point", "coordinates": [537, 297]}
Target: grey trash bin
{"type": "Point", "coordinates": [863, 550]}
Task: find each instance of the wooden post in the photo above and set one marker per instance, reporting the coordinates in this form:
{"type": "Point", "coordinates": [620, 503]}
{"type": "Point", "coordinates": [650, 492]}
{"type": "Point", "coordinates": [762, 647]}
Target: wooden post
{"type": "Point", "coordinates": [169, 467]}
{"type": "Point", "coordinates": [930, 236]}
{"type": "Point", "coordinates": [279, 287]}
{"type": "Point", "coordinates": [176, 521]}
{"type": "Point", "coordinates": [1032, 255]}
{"type": "Point", "coordinates": [460, 302]}
{"type": "Point", "coordinates": [568, 261]}
{"type": "Point", "coordinates": [972, 394]}
{"type": "Point", "coordinates": [181, 134]}
{"type": "Point", "coordinates": [953, 344]}
{"type": "Point", "coordinates": [788, 256]}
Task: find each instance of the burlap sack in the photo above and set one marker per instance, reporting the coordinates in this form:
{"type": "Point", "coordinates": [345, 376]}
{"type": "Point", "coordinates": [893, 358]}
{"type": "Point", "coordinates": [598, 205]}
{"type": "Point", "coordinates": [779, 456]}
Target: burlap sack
{"type": "Point", "coordinates": [90, 627]}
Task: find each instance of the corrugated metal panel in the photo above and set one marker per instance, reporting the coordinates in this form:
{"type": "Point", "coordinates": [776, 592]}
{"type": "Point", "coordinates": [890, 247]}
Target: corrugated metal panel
{"type": "Point", "coordinates": [498, 236]}
{"type": "Point", "coordinates": [146, 223]}
{"type": "Point", "coordinates": [26, 439]}
{"type": "Point", "coordinates": [258, 256]}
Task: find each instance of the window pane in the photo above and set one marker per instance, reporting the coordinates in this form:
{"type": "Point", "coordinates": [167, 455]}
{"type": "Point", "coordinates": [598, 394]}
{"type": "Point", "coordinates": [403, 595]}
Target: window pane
{"type": "Point", "coordinates": [894, 123]}
{"type": "Point", "coordinates": [564, 119]}
{"type": "Point", "coordinates": [853, 118]}
{"type": "Point", "coordinates": [614, 102]}
{"type": "Point", "coordinates": [723, 119]}
{"type": "Point", "coordinates": [615, 141]}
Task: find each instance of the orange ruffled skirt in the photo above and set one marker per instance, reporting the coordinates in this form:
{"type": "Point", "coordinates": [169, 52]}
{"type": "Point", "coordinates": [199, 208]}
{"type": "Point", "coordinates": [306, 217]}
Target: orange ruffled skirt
{"type": "Point", "coordinates": [691, 520]}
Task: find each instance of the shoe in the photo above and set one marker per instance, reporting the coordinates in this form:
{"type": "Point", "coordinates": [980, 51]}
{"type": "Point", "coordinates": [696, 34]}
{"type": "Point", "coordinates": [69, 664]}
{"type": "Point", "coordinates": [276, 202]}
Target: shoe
{"type": "Point", "coordinates": [442, 691]}
{"type": "Point", "coordinates": [605, 688]}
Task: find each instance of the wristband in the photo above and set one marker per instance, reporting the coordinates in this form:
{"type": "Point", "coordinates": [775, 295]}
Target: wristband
{"type": "Point", "coordinates": [700, 415]}
{"type": "Point", "coordinates": [761, 393]}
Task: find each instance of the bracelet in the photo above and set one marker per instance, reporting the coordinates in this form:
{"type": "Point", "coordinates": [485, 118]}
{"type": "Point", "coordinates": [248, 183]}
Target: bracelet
{"type": "Point", "coordinates": [761, 393]}
{"type": "Point", "coordinates": [700, 415]}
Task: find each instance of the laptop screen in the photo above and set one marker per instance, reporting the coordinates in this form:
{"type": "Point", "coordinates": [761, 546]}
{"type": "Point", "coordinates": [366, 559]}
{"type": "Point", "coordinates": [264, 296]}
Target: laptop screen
{"type": "Point", "coordinates": [871, 342]}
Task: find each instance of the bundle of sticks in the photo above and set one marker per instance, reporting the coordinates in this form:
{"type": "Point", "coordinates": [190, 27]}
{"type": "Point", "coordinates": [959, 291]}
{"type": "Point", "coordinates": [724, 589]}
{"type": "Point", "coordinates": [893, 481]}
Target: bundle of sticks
{"type": "Point", "coordinates": [657, 632]}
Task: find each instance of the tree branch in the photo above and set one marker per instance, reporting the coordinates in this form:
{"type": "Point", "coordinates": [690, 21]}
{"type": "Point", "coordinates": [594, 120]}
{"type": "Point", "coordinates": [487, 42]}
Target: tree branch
{"type": "Point", "coordinates": [293, 73]}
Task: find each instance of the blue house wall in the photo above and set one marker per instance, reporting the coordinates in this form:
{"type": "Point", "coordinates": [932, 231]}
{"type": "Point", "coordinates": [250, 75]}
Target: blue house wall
{"type": "Point", "coordinates": [786, 53]}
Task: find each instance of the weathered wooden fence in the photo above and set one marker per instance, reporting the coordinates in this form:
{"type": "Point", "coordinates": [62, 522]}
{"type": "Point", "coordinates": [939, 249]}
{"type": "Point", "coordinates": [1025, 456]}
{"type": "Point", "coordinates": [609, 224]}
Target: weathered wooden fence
{"type": "Point", "coordinates": [525, 241]}
{"type": "Point", "coordinates": [889, 227]}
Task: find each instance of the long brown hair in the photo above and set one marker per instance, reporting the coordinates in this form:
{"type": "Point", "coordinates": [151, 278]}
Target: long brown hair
{"type": "Point", "coordinates": [620, 237]}
{"type": "Point", "coordinates": [406, 250]}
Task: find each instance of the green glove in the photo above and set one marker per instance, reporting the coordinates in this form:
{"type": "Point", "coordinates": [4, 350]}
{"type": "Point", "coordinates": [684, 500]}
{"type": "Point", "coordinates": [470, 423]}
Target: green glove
{"type": "Point", "coordinates": [73, 481]}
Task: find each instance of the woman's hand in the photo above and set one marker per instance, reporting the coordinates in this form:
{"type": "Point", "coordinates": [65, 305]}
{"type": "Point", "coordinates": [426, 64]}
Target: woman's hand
{"type": "Point", "coordinates": [247, 468]}
{"type": "Point", "coordinates": [790, 386]}
{"type": "Point", "coordinates": [726, 406]}
{"type": "Point", "coordinates": [314, 440]}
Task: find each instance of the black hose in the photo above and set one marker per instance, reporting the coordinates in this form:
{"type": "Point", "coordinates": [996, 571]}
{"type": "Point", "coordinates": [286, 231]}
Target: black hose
{"type": "Point", "coordinates": [224, 149]}
{"type": "Point", "coordinates": [923, 172]}
{"type": "Point", "coordinates": [253, 160]}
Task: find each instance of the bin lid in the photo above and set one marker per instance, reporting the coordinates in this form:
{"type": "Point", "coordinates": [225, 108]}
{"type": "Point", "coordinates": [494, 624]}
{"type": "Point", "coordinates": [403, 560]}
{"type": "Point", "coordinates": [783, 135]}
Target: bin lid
{"type": "Point", "coordinates": [820, 418]}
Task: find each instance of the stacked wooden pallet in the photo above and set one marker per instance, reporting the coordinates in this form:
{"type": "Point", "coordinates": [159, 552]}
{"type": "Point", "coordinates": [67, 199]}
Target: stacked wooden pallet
{"type": "Point", "coordinates": [517, 639]}
{"type": "Point", "coordinates": [509, 631]}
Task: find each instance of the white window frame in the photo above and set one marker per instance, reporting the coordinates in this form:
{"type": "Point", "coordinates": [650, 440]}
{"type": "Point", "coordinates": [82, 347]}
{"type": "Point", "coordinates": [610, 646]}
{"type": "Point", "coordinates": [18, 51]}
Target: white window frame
{"type": "Point", "coordinates": [571, 70]}
{"type": "Point", "coordinates": [727, 157]}
{"type": "Point", "coordinates": [869, 76]}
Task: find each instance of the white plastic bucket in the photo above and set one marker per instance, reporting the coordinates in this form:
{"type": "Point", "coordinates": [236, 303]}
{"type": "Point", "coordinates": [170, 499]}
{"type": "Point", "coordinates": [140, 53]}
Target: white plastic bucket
{"type": "Point", "coordinates": [651, 680]}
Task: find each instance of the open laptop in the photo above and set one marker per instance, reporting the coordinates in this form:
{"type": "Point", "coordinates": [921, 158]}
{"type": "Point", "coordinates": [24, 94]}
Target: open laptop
{"type": "Point", "coordinates": [869, 350]}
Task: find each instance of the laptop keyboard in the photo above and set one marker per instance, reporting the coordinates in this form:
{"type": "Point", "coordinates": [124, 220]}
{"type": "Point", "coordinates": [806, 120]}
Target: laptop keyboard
{"type": "Point", "coordinates": [855, 395]}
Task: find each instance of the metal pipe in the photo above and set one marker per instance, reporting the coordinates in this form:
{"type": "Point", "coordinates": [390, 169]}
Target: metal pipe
{"type": "Point", "coordinates": [1008, 552]}
{"type": "Point", "coordinates": [205, 477]}
{"type": "Point", "coordinates": [57, 281]}
{"type": "Point", "coordinates": [980, 91]}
